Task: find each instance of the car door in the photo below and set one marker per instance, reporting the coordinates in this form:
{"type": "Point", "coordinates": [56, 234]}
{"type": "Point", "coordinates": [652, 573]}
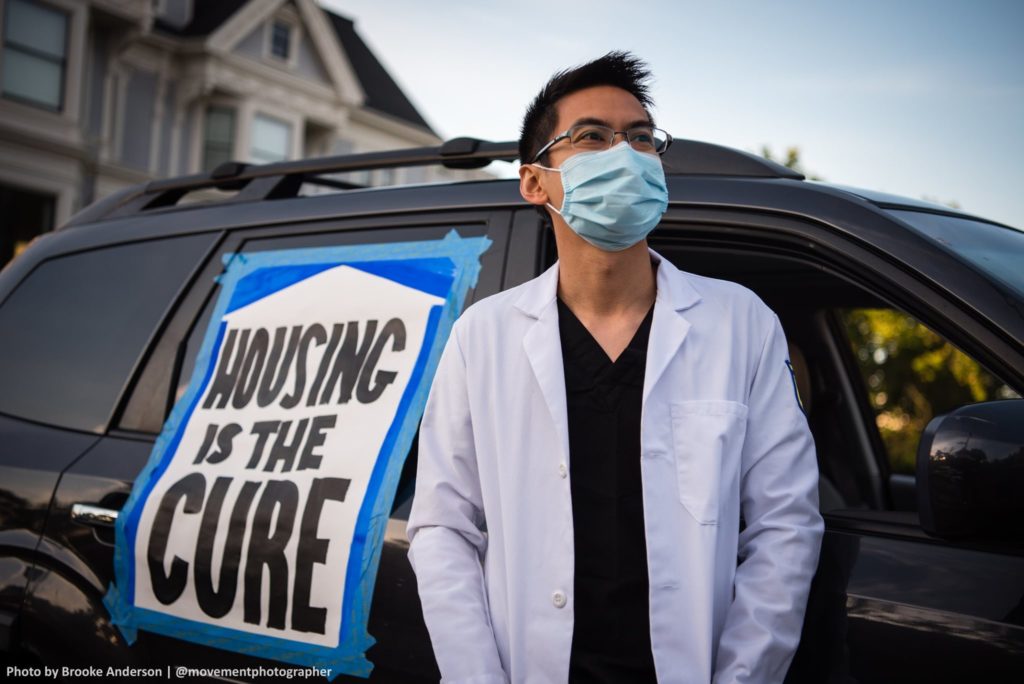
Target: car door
{"type": "Point", "coordinates": [73, 325]}
{"type": "Point", "coordinates": [104, 476]}
{"type": "Point", "coordinates": [889, 603]}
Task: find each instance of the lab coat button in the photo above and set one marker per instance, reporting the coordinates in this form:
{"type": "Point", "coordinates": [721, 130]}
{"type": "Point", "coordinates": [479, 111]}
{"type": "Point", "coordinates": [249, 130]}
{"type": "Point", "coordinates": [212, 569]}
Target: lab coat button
{"type": "Point", "coordinates": [563, 472]}
{"type": "Point", "coordinates": [558, 598]}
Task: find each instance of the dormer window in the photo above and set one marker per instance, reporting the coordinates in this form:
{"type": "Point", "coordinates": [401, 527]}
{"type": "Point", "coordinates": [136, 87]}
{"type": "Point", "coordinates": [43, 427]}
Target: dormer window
{"type": "Point", "coordinates": [281, 40]}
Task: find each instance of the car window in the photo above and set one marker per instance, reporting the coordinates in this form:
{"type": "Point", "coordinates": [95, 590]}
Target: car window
{"type": "Point", "coordinates": [74, 329]}
{"type": "Point", "coordinates": [912, 374]}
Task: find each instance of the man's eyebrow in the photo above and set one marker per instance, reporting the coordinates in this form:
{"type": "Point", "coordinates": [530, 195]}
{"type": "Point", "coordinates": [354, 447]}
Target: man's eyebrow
{"type": "Point", "coordinates": [639, 122]}
{"type": "Point", "coordinates": [590, 121]}
{"type": "Point", "coordinates": [593, 121]}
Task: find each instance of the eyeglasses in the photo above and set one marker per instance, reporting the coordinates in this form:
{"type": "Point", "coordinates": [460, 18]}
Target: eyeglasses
{"type": "Point", "coordinates": [595, 138]}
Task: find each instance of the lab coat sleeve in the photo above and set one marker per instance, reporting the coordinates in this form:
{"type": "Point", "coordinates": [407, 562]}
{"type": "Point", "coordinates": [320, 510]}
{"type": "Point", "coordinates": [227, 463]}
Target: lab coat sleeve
{"type": "Point", "coordinates": [446, 544]}
{"type": "Point", "coordinates": [778, 549]}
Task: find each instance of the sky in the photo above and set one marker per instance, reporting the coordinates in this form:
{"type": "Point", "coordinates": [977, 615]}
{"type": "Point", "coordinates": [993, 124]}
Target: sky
{"type": "Point", "coordinates": [917, 98]}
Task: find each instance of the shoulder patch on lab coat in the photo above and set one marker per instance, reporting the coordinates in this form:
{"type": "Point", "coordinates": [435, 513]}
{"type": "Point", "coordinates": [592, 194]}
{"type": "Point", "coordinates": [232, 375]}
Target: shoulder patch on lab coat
{"type": "Point", "coordinates": [796, 392]}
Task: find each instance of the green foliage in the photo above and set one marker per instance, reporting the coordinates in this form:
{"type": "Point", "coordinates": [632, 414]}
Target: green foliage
{"type": "Point", "coordinates": [912, 374]}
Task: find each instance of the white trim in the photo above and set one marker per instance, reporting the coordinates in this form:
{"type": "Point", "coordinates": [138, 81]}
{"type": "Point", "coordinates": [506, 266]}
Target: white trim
{"type": "Point", "coordinates": [142, 56]}
{"type": "Point", "coordinates": [197, 113]}
{"type": "Point", "coordinates": [177, 125]}
{"type": "Point", "coordinates": [240, 24]}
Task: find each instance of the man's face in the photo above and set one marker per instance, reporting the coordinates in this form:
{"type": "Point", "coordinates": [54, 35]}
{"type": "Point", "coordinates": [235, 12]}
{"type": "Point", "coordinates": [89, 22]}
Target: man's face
{"type": "Point", "coordinates": [605, 105]}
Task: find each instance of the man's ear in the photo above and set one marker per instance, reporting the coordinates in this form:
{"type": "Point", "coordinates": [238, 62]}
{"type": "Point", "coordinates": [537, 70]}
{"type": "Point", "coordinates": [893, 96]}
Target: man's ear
{"type": "Point", "coordinates": [530, 186]}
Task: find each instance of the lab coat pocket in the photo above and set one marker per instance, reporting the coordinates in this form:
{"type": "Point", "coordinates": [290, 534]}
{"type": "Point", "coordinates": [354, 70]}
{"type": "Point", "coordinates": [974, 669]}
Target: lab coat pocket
{"type": "Point", "coordinates": [705, 435]}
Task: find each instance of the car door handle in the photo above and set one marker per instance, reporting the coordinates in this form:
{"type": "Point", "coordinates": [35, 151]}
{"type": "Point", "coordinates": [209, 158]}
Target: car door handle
{"type": "Point", "coordinates": [93, 515]}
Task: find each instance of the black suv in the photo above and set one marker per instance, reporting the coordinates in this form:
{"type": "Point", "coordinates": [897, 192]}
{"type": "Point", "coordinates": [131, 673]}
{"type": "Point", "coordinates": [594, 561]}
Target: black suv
{"type": "Point", "coordinates": [905, 322]}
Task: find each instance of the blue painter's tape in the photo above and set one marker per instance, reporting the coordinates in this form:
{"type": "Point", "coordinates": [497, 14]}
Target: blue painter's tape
{"type": "Point", "coordinates": [433, 276]}
{"type": "Point", "coordinates": [445, 268]}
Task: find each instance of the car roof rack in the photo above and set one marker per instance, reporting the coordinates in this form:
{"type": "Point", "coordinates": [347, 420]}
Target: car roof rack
{"type": "Point", "coordinates": [254, 182]}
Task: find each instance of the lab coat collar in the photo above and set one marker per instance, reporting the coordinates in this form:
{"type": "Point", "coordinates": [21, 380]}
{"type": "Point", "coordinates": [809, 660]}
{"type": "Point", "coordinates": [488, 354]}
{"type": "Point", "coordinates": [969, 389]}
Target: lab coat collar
{"type": "Point", "coordinates": [669, 327]}
{"type": "Point", "coordinates": [674, 289]}
{"type": "Point", "coordinates": [542, 342]}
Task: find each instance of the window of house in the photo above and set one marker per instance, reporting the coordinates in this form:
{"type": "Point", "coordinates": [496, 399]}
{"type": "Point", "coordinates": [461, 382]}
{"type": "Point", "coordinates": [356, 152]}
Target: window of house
{"type": "Point", "coordinates": [281, 40]}
{"type": "Point", "coordinates": [218, 137]}
{"type": "Point", "coordinates": [34, 53]}
{"type": "Point", "coordinates": [271, 139]}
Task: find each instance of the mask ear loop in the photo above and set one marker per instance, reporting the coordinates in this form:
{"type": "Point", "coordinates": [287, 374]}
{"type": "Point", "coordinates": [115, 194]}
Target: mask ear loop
{"type": "Point", "coordinates": [548, 168]}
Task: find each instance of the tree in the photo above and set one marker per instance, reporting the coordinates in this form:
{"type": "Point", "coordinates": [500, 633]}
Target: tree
{"type": "Point", "coordinates": [912, 374]}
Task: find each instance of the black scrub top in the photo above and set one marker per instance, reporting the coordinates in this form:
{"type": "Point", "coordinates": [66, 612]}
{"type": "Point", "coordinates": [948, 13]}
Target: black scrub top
{"type": "Point", "coordinates": [612, 632]}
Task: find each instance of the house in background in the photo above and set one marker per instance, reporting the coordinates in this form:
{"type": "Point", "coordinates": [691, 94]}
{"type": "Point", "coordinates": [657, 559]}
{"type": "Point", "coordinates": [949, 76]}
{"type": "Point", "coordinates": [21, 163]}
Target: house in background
{"type": "Point", "coordinates": [96, 95]}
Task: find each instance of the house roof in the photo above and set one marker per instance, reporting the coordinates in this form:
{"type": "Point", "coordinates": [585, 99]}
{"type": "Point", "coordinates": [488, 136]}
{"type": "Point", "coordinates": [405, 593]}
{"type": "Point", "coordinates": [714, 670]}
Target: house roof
{"type": "Point", "coordinates": [206, 18]}
{"type": "Point", "coordinates": [382, 93]}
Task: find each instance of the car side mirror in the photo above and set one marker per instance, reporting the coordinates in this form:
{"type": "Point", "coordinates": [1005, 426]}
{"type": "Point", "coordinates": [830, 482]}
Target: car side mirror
{"type": "Point", "coordinates": [970, 472]}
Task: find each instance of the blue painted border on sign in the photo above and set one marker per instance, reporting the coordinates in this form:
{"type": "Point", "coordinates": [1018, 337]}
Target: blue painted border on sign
{"type": "Point", "coordinates": [463, 255]}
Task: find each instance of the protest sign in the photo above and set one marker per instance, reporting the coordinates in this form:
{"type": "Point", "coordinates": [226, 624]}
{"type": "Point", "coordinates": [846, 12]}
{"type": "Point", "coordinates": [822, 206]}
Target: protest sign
{"type": "Point", "coordinates": [257, 524]}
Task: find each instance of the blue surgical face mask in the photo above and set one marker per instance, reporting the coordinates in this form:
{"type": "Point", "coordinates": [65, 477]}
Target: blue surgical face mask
{"type": "Point", "coordinates": [613, 198]}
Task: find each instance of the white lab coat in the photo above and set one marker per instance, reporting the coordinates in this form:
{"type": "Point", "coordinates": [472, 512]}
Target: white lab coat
{"type": "Point", "coordinates": [722, 432]}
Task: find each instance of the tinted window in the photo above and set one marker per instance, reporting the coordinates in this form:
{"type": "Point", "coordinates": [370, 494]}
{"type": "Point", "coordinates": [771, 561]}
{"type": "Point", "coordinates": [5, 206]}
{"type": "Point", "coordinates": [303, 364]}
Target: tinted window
{"type": "Point", "coordinates": [71, 333]}
{"type": "Point", "coordinates": [912, 374]}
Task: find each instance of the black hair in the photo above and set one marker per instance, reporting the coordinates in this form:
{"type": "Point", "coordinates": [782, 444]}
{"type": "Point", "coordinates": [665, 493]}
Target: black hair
{"type": "Point", "coordinates": [618, 69]}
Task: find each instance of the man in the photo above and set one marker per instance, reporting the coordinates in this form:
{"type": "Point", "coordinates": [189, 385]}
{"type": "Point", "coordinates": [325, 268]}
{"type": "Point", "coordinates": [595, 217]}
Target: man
{"type": "Point", "coordinates": [593, 436]}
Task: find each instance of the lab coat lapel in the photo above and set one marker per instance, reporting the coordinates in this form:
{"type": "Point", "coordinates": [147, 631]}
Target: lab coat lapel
{"type": "Point", "coordinates": [543, 346]}
{"type": "Point", "coordinates": [669, 327]}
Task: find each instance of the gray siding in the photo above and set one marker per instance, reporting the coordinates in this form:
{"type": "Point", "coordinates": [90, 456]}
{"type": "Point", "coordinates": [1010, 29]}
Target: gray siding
{"type": "Point", "coordinates": [139, 107]}
{"type": "Point", "coordinates": [252, 45]}
{"type": "Point", "coordinates": [167, 129]}
{"type": "Point", "coordinates": [185, 142]}
{"type": "Point", "coordinates": [307, 62]}
{"type": "Point", "coordinates": [97, 76]}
